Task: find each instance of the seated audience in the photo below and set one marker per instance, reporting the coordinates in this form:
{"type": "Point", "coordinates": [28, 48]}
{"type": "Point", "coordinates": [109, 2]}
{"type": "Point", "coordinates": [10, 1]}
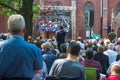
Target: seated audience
{"type": "Point", "coordinates": [54, 48]}
{"type": "Point", "coordinates": [80, 41]}
{"type": "Point", "coordinates": [112, 55]}
{"type": "Point", "coordinates": [117, 62]}
{"type": "Point", "coordinates": [42, 74]}
{"type": "Point", "coordinates": [114, 73]}
{"type": "Point", "coordinates": [100, 42]}
{"type": "Point", "coordinates": [80, 57]}
{"type": "Point", "coordinates": [63, 48]}
{"type": "Point", "coordinates": [30, 39]}
{"type": "Point", "coordinates": [117, 46]}
{"type": "Point", "coordinates": [62, 55]}
{"type": "Point", "coordinates": [68, 67]}
{"type": "Point", "coordinates": [95, 46]}
{"type": "Point", "coordinates": [48, 56]}
{"type": "Point", "coordinates": [102, 58]}
{"type": "Point", "coordinates": [90, 62]}
{"type": "Point", "coordinates": [106, 42]}
{"type": "Point", "coordinates": [118, 57]}
{"type": "Point", "coordinates": [90, 47]}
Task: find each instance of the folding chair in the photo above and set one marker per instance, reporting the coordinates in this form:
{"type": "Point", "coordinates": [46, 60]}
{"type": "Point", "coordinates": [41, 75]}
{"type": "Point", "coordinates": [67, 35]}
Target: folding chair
{"type": "Point", "coordinates": [91, 73]}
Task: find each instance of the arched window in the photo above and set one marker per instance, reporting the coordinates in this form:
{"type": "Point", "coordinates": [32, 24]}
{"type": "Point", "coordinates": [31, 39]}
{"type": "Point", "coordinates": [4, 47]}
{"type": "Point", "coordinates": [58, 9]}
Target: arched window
{"type": "Point", "coordinates": [118, 9]}
{"type": "Point", "coordinates": [87, 16]}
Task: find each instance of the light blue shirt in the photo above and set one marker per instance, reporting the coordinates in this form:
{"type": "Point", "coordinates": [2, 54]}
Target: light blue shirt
{"type": "Point", "coordinates": [117, 62]}
{"type": "Point", "coordinates": [18, 58]}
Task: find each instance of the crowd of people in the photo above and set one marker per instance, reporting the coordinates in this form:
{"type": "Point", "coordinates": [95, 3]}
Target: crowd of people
{"type": "Point", "coordinates": [37, 59]}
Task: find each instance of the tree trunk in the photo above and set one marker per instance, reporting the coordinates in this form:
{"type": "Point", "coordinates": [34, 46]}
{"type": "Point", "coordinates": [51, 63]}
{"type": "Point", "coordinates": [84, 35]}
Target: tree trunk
{"type": "Point", "coordinates": [27, 12]}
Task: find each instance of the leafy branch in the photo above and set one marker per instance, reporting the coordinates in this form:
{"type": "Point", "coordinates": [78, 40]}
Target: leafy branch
{"type": "Point", "coordinates": [9, 7]}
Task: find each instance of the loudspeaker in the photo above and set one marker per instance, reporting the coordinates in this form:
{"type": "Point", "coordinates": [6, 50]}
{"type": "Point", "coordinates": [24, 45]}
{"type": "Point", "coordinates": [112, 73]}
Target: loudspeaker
{"type": "Point", "coordinates": [91, 18]}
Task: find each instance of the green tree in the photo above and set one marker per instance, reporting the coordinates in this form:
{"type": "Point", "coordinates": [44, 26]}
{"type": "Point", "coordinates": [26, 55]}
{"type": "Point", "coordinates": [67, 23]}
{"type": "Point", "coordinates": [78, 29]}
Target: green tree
{"type": "Point", "coordinates": [112, 36]}
{"type": "Point", "coordinates": [27, 8]}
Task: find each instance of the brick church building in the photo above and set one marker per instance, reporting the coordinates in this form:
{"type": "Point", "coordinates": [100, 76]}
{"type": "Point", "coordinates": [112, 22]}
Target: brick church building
{"type": "Point", "coordinates": [86, 16]}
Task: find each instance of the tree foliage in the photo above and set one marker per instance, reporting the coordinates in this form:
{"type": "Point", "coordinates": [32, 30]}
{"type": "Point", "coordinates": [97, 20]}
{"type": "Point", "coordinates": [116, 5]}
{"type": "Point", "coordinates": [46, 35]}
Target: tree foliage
{"type": "Point", "coordinates": [28, 8]}
{"type": "Point", "coordinates": [112, 36]}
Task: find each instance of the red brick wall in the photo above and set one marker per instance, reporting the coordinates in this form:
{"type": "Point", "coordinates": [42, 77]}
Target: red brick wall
{"type": "Point", "coordinates": [63, 2]}
{"type": "Point", "coordinates": [3, 23]}
{"type": "Point", "coordinates": [80, 16]}
{"type": "Point", "coordinates": [113, 6]}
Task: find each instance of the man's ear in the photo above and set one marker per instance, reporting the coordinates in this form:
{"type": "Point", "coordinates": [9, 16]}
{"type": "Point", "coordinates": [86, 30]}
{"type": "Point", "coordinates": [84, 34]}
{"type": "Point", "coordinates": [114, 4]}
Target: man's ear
{"type": "Point", "coordinates": [67, 51]}
{"type": "Point", "coordinates": [24, 30]}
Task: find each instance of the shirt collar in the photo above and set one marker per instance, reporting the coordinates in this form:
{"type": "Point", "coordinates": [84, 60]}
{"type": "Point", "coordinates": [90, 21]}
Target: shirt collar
{"type": "Point", "coordinates": [17, 36]}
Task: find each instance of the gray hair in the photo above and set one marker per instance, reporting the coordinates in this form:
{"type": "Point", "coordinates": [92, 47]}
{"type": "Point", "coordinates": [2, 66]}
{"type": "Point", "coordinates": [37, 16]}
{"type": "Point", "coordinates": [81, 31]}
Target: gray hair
{"type": "Point", "coordinates": [110, 46]}
{"type": "Point", "coordinates": [16, 23]}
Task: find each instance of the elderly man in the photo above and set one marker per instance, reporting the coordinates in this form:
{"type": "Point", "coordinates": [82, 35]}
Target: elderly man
{"type": "Point", "coordinates": [112, 55]}
{"type": "Point", "coordinates": [19, 60]}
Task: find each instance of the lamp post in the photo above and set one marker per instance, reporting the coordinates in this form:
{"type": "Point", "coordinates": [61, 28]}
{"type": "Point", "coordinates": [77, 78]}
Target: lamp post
{"type": "Point", "coordinates": [101, 15]}
{"type": "Point", "coordinates": [73, 18]}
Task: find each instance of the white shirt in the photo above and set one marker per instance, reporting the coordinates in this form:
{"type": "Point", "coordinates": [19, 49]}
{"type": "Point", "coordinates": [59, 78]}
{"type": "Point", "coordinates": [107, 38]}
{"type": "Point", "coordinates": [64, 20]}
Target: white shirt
{"type": "Point", "coordinates": [112, 55]}
{"type": "Point", "coordinates": [82, 45]}
{"type": "Point", "coordinates": [42, 74]}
